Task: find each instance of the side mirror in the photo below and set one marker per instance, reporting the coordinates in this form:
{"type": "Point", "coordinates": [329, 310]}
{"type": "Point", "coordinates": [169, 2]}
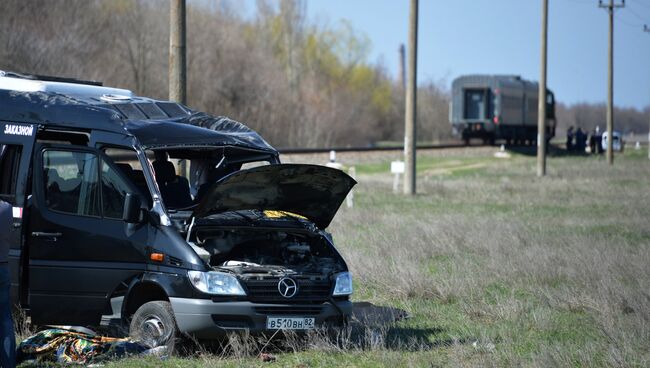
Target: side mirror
{"type": "Point", "coordinates": [132, 212]}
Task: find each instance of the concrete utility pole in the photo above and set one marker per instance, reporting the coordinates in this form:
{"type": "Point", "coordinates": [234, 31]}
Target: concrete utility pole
{"type": "Point", "coordinates": [541, 97]}
{"type": "Point", "coordinates": [177, 73]}
{"type": "Point", "coordinates": [610, 78]}
{"type": "Point", "coordinates": [402, 67]}
{"type": "Point", "coordinates": [411, 108]}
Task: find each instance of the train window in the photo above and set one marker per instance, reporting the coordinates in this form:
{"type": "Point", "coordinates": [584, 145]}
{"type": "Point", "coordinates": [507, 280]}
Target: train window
{"type": "Point", "coordinates": [475, 104]}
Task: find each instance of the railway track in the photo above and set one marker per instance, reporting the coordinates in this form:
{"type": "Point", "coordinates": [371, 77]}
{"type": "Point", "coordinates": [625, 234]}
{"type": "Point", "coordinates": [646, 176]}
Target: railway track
{"type": "Point", "coordinates": [369, 149]}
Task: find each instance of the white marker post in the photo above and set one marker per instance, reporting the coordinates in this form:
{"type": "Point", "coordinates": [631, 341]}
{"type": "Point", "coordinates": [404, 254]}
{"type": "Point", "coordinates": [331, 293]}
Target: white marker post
{"type": "Point", "coordinates": [332, 162]}
{"type": "Point", "coordinates": [397, 168]}
{"type": "Point", "coordinates": [349, 200]}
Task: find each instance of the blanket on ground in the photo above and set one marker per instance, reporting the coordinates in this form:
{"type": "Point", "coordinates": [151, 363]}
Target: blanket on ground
{"type": "Point", "coordinates": [67, 346]}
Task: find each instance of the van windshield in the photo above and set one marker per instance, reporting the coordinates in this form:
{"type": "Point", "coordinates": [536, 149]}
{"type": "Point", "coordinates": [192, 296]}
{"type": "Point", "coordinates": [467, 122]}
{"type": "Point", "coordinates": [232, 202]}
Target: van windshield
{"type": "Point", "coordinates": [185, 175]}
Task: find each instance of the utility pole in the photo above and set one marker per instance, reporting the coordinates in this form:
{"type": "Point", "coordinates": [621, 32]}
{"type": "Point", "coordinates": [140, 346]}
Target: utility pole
{"type": "Point", "coordinates": [402, 68]}
{"type": "Point", "coordinates": [177, 74]}
{"type": "Point", "coordinates": [647, 29]}
{"type": "Point", "coordinates": [177, 65]}
{"type": "Point", "coordinates": [610, 77]}
{"type": "Point", "coordinates": [411, 108]}
{"type": "Point", "coordinates": [541, 97]}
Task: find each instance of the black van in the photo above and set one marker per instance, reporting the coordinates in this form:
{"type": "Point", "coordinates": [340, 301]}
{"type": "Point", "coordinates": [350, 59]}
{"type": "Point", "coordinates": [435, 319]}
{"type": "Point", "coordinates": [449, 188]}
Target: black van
{"type": "Point", "coordinates": [148, 214]}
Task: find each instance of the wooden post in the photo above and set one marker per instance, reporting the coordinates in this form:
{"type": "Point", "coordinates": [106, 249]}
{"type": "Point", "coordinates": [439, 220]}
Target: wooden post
{"type": "Point", "coordinates": [541, 97]}
{"type": "Point", "coordinates": [177, 60]}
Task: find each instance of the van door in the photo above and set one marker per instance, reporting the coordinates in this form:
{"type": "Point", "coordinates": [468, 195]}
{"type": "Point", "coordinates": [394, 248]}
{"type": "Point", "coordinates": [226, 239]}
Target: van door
{"type": "Point", "coordinates": [81, 251]}
{"type": "Point", "coordinates": [16, 144]}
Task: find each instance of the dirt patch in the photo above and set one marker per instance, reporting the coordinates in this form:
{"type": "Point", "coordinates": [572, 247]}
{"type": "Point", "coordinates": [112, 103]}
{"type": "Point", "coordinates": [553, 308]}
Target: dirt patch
{"type": "Point", "coordinates": [451, 169]}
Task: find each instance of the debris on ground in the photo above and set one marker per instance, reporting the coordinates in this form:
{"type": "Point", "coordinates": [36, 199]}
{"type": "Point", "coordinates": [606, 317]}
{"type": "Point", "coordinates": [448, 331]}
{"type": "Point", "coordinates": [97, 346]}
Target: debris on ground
{"type": "Point", "coordinates": [266, 357]}
{"type": "Point", "coordinates": [501, 153]}
{"type": "Point", "coordinates": [81, 346]}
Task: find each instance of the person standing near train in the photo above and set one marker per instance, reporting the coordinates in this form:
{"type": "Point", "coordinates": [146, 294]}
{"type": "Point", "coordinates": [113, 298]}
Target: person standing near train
{"type": "Point", "coordinates": [7, 336]}
{"type": "Point", "coordinates": [569, 139]}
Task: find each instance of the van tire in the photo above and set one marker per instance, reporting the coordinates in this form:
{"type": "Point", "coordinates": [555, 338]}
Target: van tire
{"type": "Point", "coordinates": [154, 324]}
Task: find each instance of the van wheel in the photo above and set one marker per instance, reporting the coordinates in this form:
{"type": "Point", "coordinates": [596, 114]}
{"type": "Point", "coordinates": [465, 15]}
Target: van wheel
{"type": "Point", "coordinates": [154, 324]}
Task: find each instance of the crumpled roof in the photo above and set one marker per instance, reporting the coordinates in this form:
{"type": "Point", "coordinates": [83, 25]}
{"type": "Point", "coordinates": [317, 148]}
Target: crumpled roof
{"type": "Point", "coordinates": [197, 129]}
{"type": "Point", "coordinates": [191, 129]}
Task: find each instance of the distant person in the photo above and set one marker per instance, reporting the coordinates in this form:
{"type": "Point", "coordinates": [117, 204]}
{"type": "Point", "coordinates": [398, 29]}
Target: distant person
{"type": "Point", "coordinates": [7, 337]}
{"type": "Point", "coordinates": [569, 139]}
{"type": "Point", "coordinates": [595, 141]}
{"type": "Point", "coordinates": [599, 140]}
{"type": "Point", "coordinates": [581, 141]}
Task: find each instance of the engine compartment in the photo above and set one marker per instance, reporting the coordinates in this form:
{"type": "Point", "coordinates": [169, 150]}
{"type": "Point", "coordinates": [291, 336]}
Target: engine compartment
{"type": "Point", "coordinates": [268, 252]}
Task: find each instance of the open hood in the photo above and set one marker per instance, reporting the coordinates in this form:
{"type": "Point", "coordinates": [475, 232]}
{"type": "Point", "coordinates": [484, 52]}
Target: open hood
{"type": "Point", "coordinates": [315, 192]}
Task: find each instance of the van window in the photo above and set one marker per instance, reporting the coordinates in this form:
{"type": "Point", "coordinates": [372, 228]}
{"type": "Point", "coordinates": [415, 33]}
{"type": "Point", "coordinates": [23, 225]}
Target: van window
{"type": "Point", "coordinates": [9, 164]}
{"type": "Point", "coordinates": [114, 191]}
{"type": "Point", "coordinates": [71, 182]}
{"type": "Point", "coordinates": [128, 163]}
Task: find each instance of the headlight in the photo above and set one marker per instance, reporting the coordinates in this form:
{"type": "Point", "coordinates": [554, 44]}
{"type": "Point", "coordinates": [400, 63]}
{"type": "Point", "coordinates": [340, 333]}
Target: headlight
{"type": "Point", "coordinates": [217, 283]}
{"type": "Point", "coordinates": [343, 284]}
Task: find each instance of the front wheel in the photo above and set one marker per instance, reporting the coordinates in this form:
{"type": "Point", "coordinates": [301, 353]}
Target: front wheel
{"type": "Point", "coordinates": [154, 324]}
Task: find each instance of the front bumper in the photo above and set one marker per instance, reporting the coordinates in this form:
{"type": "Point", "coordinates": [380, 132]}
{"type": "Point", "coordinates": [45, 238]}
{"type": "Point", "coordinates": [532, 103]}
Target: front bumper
{"type": "Point", "coordinates": [206, 319]}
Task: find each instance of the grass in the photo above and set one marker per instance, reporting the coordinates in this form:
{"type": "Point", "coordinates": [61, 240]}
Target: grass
{"type": "Point", "coordinates": [495, 266]}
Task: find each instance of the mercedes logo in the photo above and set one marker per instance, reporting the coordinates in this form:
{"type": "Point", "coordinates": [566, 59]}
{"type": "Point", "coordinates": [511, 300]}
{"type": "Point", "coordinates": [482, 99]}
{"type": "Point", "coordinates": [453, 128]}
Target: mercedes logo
{"type": "Point", "coordinates": [287, 287]}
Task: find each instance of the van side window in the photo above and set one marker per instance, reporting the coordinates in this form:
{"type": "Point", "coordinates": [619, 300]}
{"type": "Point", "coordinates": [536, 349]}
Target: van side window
{"type": "Point", "coordinates": [71, 182]}
{"type": "Point", "coordinates": [9, 163]}
{"type": "Point", "coordinates": [114, 191]}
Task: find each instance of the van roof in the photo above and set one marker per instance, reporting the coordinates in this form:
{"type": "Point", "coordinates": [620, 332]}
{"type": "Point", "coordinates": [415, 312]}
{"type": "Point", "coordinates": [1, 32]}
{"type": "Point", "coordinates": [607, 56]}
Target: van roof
{"type": "Point", "coordinates": [89, 105]}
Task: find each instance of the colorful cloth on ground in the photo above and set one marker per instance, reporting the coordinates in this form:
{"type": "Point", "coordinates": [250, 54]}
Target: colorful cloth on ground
{"type": "Point", "coordinates": [66, 346]}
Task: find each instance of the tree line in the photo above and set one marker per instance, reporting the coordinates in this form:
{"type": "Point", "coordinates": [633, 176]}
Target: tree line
{"type": "Point", "coordinates": [299, 83]}
{"type": "Point", "coordinates": [590, 116]}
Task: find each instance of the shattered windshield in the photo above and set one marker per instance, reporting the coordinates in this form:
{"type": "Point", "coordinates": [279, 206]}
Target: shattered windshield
{"type": "Point", "coordinates": [185, 175]}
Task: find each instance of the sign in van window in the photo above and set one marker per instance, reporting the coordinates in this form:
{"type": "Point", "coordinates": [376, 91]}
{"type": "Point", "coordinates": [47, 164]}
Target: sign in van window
{"type": "Point", "coordinates": [16, 129]}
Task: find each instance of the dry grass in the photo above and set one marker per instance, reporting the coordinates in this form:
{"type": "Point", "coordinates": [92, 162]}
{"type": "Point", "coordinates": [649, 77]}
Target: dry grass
{"type": "Point", "coordinates": [495, 266]}
{"type": "Point", "coordinates": [559, 263]}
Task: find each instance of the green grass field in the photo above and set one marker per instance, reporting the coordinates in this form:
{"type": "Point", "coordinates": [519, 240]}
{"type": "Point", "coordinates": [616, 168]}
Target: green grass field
{"type": "Point", "coordinates": [495, 267]}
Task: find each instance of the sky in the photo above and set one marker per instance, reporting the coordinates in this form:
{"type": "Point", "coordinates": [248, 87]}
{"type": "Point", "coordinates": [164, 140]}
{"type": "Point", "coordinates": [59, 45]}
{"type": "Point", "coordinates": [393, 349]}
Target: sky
{"type": "Point", "coordinates": [459, 37]}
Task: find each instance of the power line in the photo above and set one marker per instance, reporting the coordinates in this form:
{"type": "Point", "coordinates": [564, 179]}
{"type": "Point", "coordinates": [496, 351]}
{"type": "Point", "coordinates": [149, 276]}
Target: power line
{"type": "Point", "coordinates": [581, 1]}
{"type": "Point", "coordinates": [627, 23]}
{"type": "Point", "coordinates": [636, 14]}
{"type": "Point", "coordinates": [639, 2]}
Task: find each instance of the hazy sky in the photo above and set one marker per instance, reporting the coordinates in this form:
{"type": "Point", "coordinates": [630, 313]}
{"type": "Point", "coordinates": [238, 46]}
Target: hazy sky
{"type": "Point", "coordinates": [503, 36]}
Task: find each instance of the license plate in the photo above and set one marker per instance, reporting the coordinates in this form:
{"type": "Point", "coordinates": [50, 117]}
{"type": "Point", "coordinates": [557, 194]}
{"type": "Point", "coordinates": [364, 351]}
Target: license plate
{"type": "Point", "coordinates": [290, 323]}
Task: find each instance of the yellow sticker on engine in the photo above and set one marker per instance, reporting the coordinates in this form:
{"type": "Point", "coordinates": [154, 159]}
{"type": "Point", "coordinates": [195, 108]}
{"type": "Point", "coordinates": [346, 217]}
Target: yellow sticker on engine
{"type": "Point", "coordinates": [280, 214]}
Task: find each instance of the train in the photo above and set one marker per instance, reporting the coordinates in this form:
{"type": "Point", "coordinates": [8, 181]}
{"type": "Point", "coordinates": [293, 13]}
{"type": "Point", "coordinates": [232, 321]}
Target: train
{"type": "Point", "coordinates": [498, 107]}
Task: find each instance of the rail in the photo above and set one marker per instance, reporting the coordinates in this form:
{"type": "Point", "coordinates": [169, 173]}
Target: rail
{"type": "Point", "coordinates": [366, 149]}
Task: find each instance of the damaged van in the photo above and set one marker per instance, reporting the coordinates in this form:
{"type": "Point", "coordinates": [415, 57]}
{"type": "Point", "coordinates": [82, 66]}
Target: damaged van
{"type": "Point", "coordinates": [146, 214]}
